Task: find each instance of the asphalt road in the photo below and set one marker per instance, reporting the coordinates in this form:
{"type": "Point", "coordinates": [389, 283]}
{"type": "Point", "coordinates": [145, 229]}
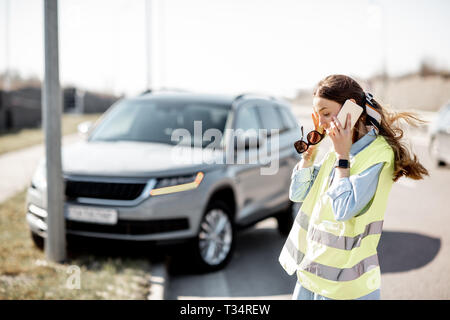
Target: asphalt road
{"type": "Point", "coordinates": [17, 167]}
{"type": "Point", "coordinates": [414, 249]}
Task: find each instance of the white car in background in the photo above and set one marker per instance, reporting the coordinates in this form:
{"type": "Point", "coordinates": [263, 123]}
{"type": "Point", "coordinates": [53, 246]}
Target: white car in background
{"type": "Point", "coordinates": [439, 145]}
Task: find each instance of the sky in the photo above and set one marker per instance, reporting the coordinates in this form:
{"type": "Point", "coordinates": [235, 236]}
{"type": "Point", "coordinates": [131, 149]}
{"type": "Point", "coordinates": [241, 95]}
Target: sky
{"type": "Point", "coordinates": [227, 46]}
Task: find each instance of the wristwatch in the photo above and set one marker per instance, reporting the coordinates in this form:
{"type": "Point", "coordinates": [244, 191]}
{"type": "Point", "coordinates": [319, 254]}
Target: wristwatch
{"type": "Point", "coordinates": [343, 163]}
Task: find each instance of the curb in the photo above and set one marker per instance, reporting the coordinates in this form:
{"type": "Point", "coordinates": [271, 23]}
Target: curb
{"type": "Point", "coordinates": [159, 281]}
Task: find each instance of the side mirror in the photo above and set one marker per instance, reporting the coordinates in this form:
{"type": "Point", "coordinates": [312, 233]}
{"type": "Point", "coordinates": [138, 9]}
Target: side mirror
{"type": "Point", "coordinates": [84, 127]}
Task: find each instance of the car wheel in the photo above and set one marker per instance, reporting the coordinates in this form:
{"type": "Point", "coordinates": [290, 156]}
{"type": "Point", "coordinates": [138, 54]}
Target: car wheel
{"type": "Point", "coordinates": [38, 241]}
{"type": "Point", "coordinates": [286, 218]}
{"type": "Point", "coordinates": [434, 152]}
{"type": "Point", "coordinates": [214, 244]}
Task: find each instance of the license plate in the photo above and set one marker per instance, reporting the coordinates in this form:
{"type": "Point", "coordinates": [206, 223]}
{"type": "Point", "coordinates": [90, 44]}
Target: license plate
{"type": "Point", "coordinates": [93, 215]}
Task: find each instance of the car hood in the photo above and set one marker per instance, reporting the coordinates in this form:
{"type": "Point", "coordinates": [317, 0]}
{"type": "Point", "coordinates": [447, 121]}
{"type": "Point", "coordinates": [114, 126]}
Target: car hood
{"type": "Point", "coordinates": [125, 158]}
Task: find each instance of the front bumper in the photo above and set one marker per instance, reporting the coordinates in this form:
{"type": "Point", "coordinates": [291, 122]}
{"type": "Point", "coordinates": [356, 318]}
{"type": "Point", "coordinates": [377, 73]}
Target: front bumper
{"type": "Point", "coordinates": [161, 218]}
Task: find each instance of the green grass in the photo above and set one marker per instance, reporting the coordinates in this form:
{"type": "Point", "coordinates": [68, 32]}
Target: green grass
{"type": "Point", "coordinates": [26, 274]}
{"type": "Point", "coordinates": [28, 137]}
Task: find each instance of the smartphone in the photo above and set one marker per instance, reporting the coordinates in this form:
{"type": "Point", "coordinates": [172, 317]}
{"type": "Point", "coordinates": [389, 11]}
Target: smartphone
{"type": "Point", "coordinates": [352, 108]}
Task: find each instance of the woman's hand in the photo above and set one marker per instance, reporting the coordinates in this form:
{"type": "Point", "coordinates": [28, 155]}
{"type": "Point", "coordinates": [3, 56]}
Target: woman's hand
{"type": "Point", "coordinates": [341, 137]}
{"type": "Point", "coordinates": [310, 154]}
{"type": "Point", "coordinates": [315, 118]}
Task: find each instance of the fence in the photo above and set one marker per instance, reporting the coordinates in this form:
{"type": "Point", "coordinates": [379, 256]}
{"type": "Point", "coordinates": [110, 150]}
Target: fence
{"type": "Point", "coordinates": [21, 108]}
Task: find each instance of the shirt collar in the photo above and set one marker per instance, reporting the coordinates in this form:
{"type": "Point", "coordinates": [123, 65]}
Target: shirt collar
{"type": "Point", "coordinates": [363, 142]}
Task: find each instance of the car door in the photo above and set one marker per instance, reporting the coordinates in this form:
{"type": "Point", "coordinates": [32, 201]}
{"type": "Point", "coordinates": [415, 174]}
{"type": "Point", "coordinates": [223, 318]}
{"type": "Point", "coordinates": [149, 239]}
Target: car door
{"type": "Point", "coordinates": [276, 173]}
{"type": "Point", "coordinates": [249, 182]}
{"type": "Point", "coordinates": [291, 133]}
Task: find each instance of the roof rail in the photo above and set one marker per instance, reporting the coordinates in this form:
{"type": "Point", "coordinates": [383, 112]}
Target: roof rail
{"type": "Point", "coordinates": [163, 89]}
{"type": "Point", "coordinates": [242, 95]}
{"type": "Point", "coordinates": [146, 91]}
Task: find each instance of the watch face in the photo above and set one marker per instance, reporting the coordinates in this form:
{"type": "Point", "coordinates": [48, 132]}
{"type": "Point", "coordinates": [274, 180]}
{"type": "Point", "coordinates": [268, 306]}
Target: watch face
{"type": "Point", "coordinates": [343, 163]}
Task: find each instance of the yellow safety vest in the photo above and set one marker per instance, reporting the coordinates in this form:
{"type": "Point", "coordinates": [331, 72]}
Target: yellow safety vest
{"type": "Point", "coordinates": [338, 259]}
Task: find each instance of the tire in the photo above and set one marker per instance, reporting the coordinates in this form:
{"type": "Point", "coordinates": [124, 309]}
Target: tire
{"type": "Point", "coordinates": [286, 218]}
{"type": "Point", "coordinates": [441, 163]}
{"type": "Point", "coordinates": [38, 241]}
{"type": "Point", "coordinates": [434, 152]}
{"type": "Point", "coordinates": [213, 250]}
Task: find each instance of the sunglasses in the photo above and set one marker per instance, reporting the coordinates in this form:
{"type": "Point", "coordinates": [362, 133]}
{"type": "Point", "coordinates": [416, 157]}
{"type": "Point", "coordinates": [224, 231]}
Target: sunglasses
{"type": "Point", "coordinates": [314, 137]}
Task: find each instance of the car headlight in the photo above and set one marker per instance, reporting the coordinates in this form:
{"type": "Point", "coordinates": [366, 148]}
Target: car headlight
{"type": "Point", "coordinates": [39, 180]}
{"type": "Point", "coordinates": [177, 184]}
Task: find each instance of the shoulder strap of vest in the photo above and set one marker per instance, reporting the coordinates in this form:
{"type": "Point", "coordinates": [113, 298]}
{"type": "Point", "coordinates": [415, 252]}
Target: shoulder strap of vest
{"type": "Point", "coordinates": [310, 200]}
{"type": "Point", "coordinates": [378, 151]}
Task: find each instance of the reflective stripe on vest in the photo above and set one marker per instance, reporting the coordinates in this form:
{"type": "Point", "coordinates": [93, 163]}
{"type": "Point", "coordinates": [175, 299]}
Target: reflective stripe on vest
{"type": "Point", "coordinates": [336, 274]}
{"type": "Point", "coordinates": [339, 242]}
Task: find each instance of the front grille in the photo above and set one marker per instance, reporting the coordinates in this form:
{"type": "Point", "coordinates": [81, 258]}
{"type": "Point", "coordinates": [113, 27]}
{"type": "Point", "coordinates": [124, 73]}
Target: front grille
{"type": "Point", "coordinates": [129, 227]}
{"type": "Point", "coordinates": [103, 190]}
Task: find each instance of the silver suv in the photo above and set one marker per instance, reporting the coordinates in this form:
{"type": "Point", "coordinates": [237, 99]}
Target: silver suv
{"type": "Point", "coordinates": [150, 170]}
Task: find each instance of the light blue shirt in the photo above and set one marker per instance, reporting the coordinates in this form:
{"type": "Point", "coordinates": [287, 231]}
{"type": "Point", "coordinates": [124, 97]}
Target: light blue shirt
{"type": "Point", "coordinates": [349, 195]}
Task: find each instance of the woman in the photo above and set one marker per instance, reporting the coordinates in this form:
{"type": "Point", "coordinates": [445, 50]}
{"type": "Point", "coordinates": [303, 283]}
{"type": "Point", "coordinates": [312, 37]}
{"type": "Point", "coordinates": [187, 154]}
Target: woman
{"type": "Point", "coordinates": [332, 245]}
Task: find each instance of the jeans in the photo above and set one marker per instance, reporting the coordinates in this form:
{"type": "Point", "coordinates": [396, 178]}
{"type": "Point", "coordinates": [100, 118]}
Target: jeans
{"type": "Point", "coordinates": [301, 293]}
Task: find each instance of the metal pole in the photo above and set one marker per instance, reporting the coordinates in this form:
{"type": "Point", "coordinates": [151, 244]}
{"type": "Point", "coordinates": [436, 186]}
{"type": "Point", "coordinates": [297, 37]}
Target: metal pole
{"type": "Point", "coordinates": [384, 53]}
{"type": "Point", "coordinates": [162, 43]}
{"type": "Point", "coordinates": [7, 84]}
{"type": "Point", "coordinates": [148, 41]}
{"type": "Point", "coordinates": [55, 244]}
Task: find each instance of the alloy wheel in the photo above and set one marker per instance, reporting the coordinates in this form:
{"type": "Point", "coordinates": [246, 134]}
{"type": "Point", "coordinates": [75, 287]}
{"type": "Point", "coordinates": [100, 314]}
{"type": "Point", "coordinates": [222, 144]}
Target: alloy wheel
{"type": "Point", "coordinates": [215, 237]}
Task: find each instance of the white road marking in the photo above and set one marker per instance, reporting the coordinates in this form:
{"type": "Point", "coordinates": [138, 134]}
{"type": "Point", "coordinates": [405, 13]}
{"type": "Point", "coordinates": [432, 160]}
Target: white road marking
{"type": "Point", "coordinates": [158, 282]}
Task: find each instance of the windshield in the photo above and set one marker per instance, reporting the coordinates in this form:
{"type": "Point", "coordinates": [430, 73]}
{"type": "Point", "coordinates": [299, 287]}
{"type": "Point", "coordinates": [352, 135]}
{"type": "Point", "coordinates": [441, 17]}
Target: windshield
{"type": "Point", "coordinates": [154, 121]}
